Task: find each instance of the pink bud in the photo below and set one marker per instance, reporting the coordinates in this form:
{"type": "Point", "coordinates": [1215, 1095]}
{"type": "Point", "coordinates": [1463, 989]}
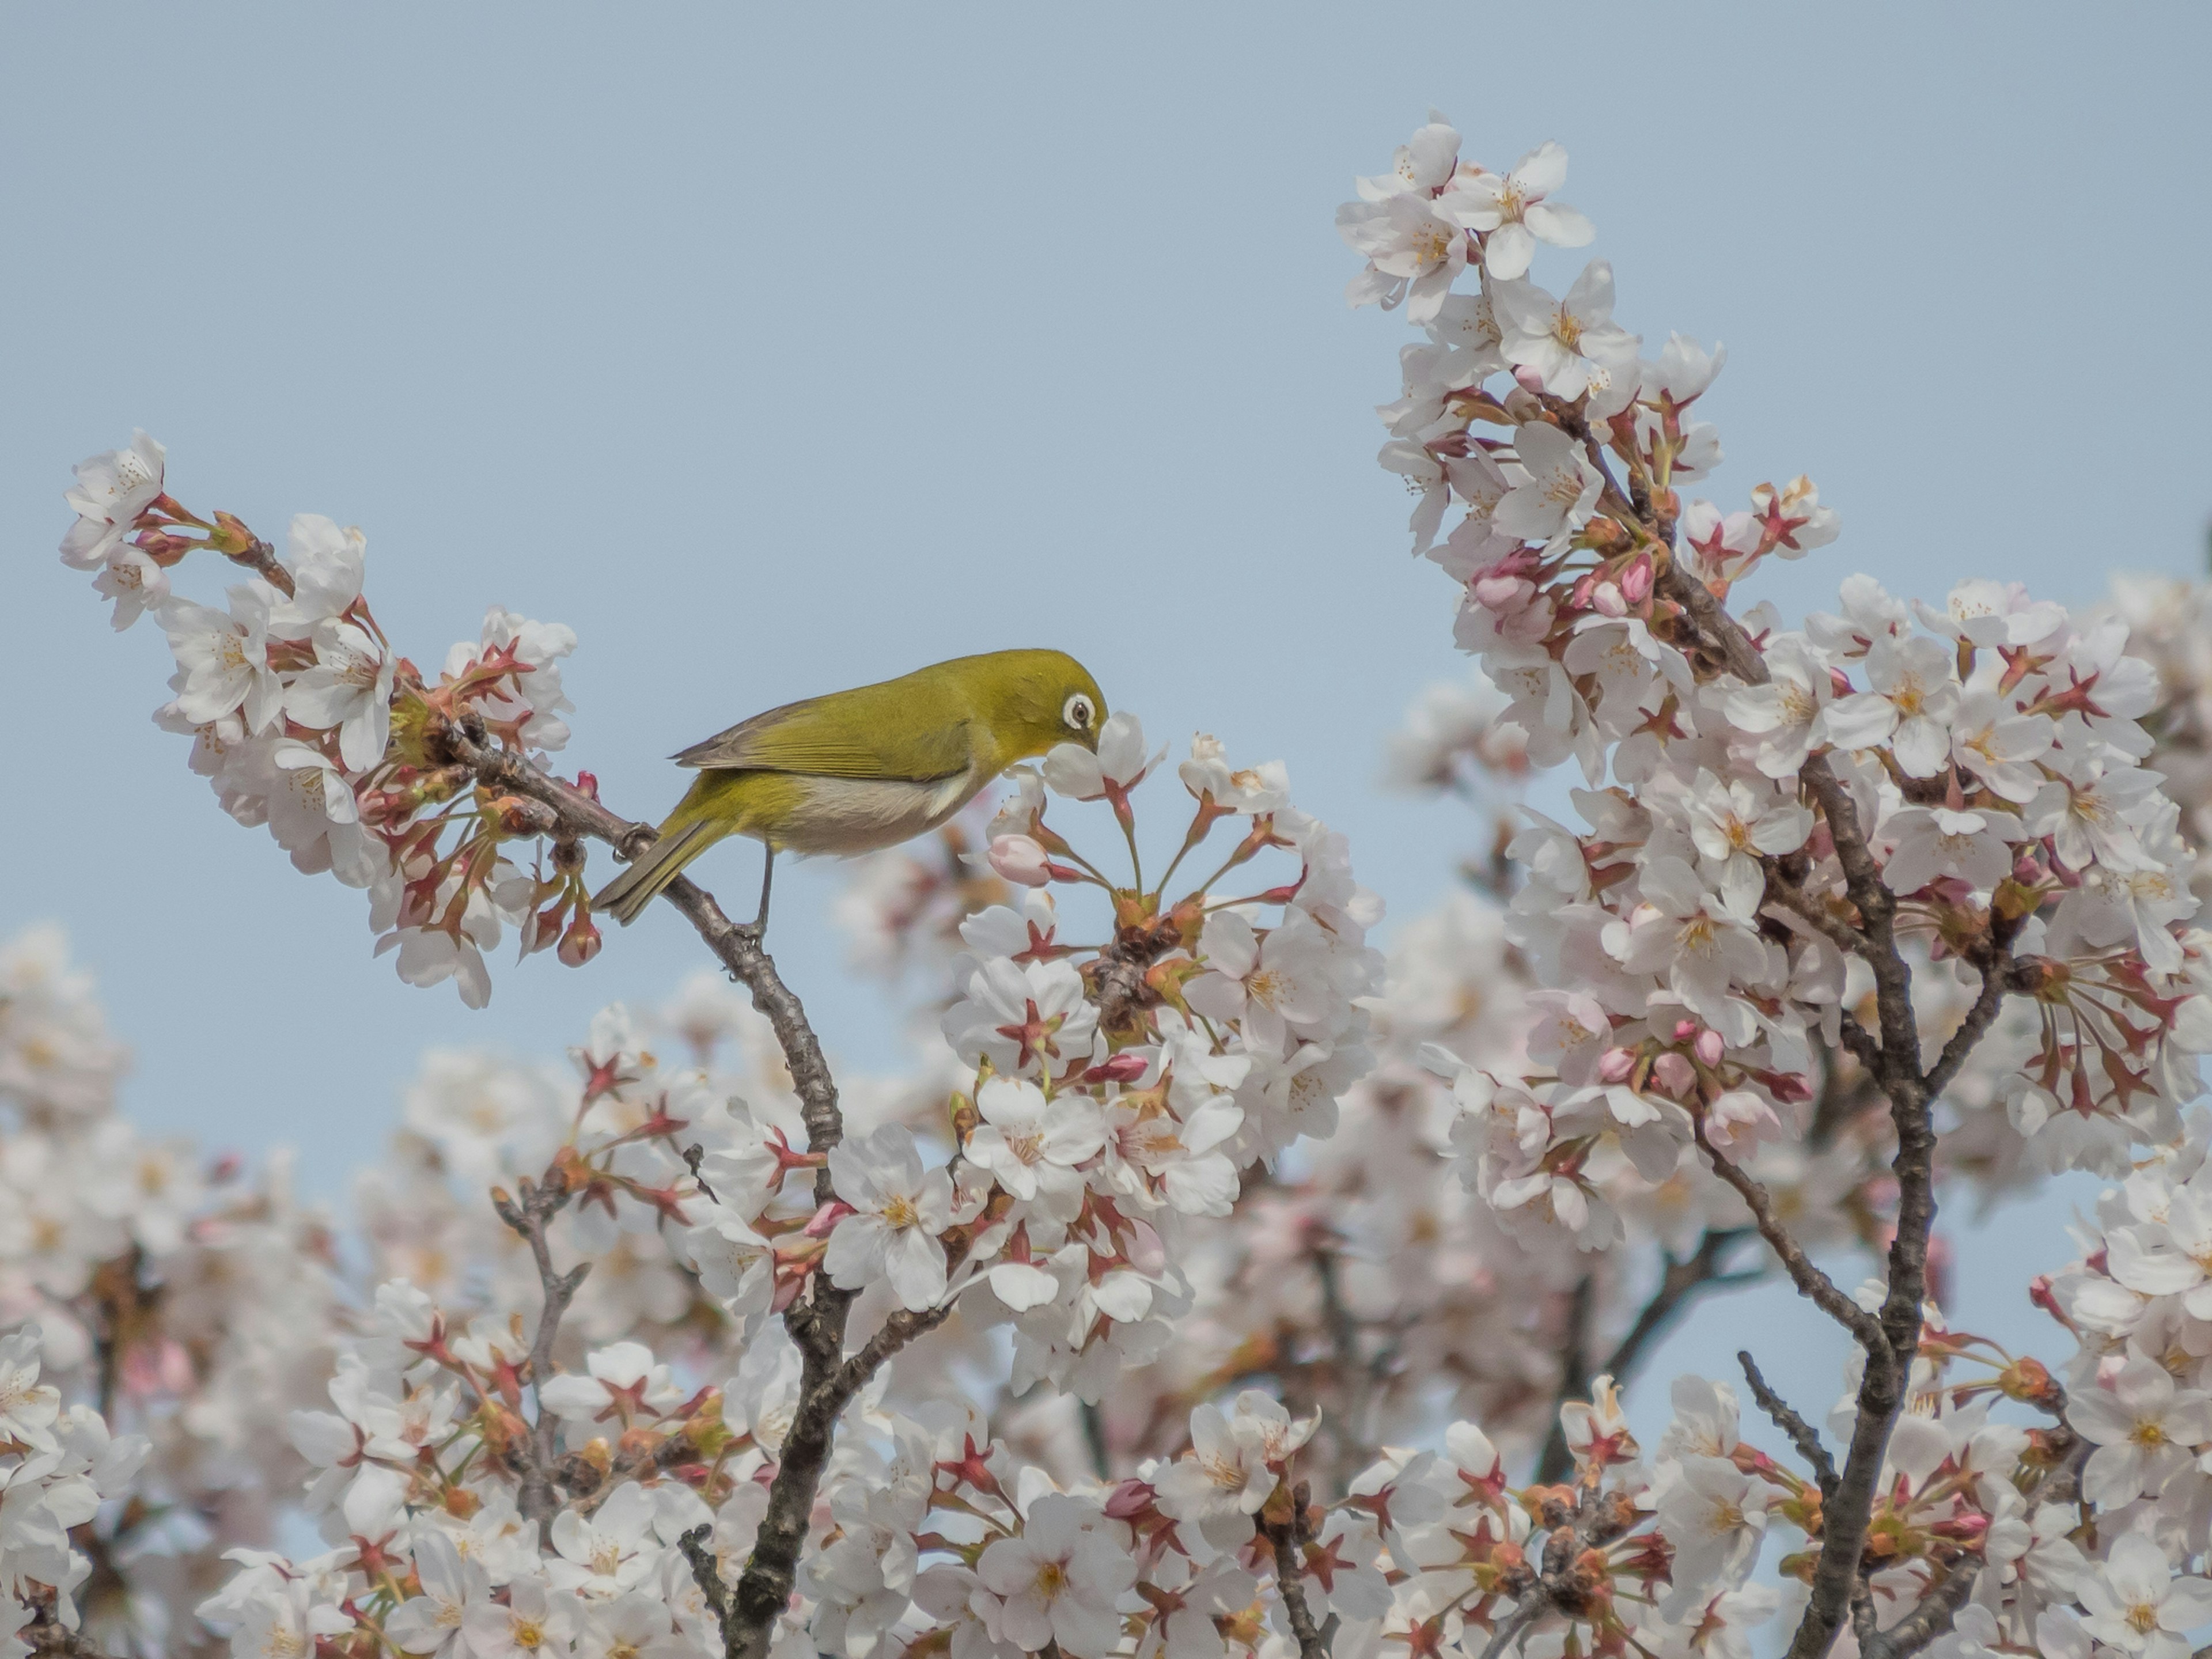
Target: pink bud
{"type": "Point", "coordinates": [1839, 683]}
{"type": "Point", "coordinates": [1685, 1031]}
{"type": "Point", "coordinates": [1673, 1072]}
{"type": "Point", "coordinates": [1502, 592]}
{"type": "Point", "coordinates": [1606, 600]}
{"type": "Point", "coordinates": [1529, 380]}
{"type": "Point", "coordinates": [827, 1217]}
{"type": "Point", "coordinates": [1636, 581]}
{"type": "Point", "coordinates": [1128, 1500]}
{"type": "Point", "coordinates": [1021, 861]}
{"type": "Point", "coordinates": [1711, 1047]}
{"type": "Point", "coordinates": [588, 783]}
{"type": "Point", "coordinates": [579, 943]}
{"type": "Point", "coordinates": [1122, 1068]}
{"type": "Point", "coordinates": [1615, 1065]}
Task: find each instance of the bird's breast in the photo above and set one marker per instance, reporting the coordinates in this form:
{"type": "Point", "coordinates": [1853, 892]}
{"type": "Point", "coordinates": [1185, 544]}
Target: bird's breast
{"type": "Point", "coordinates": [842, 816]}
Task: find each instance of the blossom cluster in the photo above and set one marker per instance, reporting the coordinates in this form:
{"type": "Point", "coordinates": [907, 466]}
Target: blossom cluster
{"type": "Point", "coordinates": [1103, 1093]}
{"type": "Point", "coordinates": [1192, 1224]}
{"type": "Point", "coordinates": [56, 1467]}
{"type": "Point", "coordinates": [1955, 797]}
{"type": "Point", "coordinates": [305, 718]}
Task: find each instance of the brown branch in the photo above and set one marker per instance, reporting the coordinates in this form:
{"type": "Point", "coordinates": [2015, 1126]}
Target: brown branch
{"type": "Point", "coordinates": [1896, 1068]}
{"type": "Point", "coordinates": [816, 1322]}
{"type": "Point", "coordinates": [46, 1636]}
{"type": "Point", "coordinates": [707, 1576]}
{"type": "Point", "coordinates": [1354, 1452]}
{"type": "Point", "coordinates": [1785, 1417]}
{"type": "Point", "coordinates": [1929, 1620]}
{"type": "Point", "coordinates": [1995, 964]}
{"type": "Point", "coordinates": [738, 950]}
{"type": "Point", "coordinates": [1812, 1284]}
{"type": "Point", "coordinates": [1284, 1536]}
{"type": "Point", "coordinates": [1557, 1458]}
{"type": "Point", "coordinates": [539, 1203]}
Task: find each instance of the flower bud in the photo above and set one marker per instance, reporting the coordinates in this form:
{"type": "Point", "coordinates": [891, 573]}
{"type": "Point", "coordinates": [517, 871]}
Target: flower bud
{"type": "Point", "coordinates": [1710, 1047]}
{"type": "Point", "coordinates": [580, 943]}
{"type": "Point", "coordinates": [1021, 859]}
{"type": "Point", "coordinates": [1615, 1065]}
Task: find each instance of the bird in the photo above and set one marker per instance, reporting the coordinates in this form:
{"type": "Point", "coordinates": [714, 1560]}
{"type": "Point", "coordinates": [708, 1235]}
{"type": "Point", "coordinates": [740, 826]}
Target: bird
{"type": "Point", "coordinates": [850, 772]}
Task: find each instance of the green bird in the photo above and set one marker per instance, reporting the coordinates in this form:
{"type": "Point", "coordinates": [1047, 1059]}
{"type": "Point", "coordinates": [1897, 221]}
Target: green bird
{"type": "Point", "coordinates": [854, 771]}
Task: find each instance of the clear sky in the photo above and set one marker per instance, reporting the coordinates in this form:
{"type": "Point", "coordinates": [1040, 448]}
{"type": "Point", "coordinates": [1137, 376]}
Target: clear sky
{"type": "Point", "coordinates": [780, 349]}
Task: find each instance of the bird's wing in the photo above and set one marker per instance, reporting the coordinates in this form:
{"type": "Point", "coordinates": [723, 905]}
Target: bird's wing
{"type": "Point", "coordinates": [799, 737]}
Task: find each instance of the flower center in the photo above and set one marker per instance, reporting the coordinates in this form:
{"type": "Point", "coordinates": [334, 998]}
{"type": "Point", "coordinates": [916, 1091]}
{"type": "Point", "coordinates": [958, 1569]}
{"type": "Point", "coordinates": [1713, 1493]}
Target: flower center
{"type": "Point", "coordinates": [1433, 242]}
{"type": "Point", "coordinates": [2143, 1616]}
{"type": "Point", "coordinates": [1222, 1472]}
{"type": "Point", "coordinates": [1265, 987]}
{"type": "Point", "coordinates": [899, 1212]}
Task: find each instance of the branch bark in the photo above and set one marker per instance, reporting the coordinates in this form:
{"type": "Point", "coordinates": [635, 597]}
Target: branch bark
{"type": "Point", "coordinates": [1895, 1066]}
{"type": "Point", "coordinates": [828, 1379]}
{"type": "Point", "coordinates": [1785, 1417]}
{"type": "Point", "coordinates": [1291, 1586]}
{"type": "Point", "coordinates": [539, 1203]}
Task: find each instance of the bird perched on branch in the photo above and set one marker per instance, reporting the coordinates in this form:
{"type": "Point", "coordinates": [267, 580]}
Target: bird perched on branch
{"type": "Point", "coordinates": [854, 771]}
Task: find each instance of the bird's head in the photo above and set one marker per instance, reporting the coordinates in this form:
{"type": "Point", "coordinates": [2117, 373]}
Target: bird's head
{"type": "Point", "coordinates": [1034, 701]}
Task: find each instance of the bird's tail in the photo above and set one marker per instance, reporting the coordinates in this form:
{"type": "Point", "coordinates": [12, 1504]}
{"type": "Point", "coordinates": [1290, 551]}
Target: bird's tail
{"type": "Point", "coordinates": [659, 865]}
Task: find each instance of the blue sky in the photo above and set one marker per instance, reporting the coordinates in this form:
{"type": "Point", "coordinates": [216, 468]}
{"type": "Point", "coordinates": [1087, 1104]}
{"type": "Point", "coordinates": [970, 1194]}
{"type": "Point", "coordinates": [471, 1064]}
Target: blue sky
{"type": "Point", "coordinates": [776, 350]}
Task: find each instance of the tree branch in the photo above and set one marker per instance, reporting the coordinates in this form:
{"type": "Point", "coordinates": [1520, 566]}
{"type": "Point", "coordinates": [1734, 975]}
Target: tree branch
{"type": "Point", "coordinates": [1929, 1620]}
{"type": "Point", "coordinates": [1290, 1585]}
{"type": "Point", "coordinates": [816, 1322]}
{"type": "Point", "coordinates": [539, 1203]}
{"type": "Point", "coordinates": [1812, 1284]}
{"type": "Point", "coordinates": [1785, 1417]}
{"type": "Point", "coordinates": [1896, 1068]}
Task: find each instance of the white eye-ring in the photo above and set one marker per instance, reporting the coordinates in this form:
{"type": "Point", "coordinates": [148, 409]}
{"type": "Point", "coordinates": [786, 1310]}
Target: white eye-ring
{"type": "Point", "coordinates": [1077, 712]}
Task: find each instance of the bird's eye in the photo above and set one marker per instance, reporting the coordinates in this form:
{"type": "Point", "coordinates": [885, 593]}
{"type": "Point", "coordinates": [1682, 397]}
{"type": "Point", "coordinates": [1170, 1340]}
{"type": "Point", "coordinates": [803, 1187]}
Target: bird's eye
{"type": "Point", "coordinates": [1078, 712]}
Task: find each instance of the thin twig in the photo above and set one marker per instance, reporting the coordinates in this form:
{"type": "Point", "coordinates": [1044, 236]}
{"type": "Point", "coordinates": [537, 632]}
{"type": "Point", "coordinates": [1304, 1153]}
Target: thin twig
{"type": "Point", "coordinates": [1557, 1458]}
{"type": "Point", "coordinates": [707, 1576]}
{"type": "Point", "coordinates": [1785, 1417]}
{"type": "Point", "coordinates": [539, 1203]}
{"type": "Point", "coordinates": [1812, 1283]}
{"type": "Point", "coordinates": [1291, 1586]}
